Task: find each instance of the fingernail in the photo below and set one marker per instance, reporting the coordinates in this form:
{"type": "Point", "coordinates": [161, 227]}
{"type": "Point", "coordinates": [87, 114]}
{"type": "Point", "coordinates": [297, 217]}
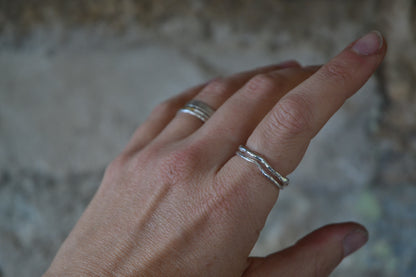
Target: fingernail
{"type": "Point", "coordinates": [368, 44]}
{"type": "Point", "coordinates": [354, 241]}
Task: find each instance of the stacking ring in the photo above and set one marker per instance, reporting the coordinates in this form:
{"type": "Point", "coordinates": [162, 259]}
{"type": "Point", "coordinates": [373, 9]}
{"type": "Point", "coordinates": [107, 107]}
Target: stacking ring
{"type": "Point", "coordinates": [263, 166]}
{"type": "Point", "coordinates": [199, 109]}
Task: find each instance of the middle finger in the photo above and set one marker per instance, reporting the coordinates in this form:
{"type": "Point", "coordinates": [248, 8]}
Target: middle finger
{"type": "Point", "coordinates": [214, 94]}
{"type": "Point", "coordinates": [240, 114]}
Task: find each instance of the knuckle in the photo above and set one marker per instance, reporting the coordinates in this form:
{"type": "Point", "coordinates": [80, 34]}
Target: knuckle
{"type": "Point", "coordinates": [265, 82]}
{"type": "Point", "coordinates": [166, 106]}
{"type": "Point", "coordinates": [143, 160]}
{"type": "Point", "coordinates": [227, 187]}
{"type": "Point", "coordinates": [116, 166]}
{"type": "Point", "coordinates": [292, 115]}
{"type": "Point", "coordinates": [218, 86]}
{"type": "Point", "coordinates": [337, 71]}
{"type": "Point", "coordinates": [179, 165]}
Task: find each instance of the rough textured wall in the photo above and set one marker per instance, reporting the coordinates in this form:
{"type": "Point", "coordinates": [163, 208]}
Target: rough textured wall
{"type": "Point", "coordinates": [76, 78]}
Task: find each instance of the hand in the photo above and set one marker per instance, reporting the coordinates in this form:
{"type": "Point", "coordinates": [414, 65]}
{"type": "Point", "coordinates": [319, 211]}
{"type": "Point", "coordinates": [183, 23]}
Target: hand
{"type": "Point", "coordinates": [179, 202]}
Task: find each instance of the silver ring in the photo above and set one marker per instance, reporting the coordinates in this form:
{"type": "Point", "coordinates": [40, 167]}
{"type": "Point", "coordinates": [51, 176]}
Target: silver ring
{"type": "Point", "coordinates": [264, 166]}
{"type": "Point", "coordinates": [199, 109]}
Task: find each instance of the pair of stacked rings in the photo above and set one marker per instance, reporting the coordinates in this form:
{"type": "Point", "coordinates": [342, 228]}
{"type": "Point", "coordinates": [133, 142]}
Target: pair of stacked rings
{"type": "Point", "coordinates": [203, 112]}
{"type": "Point", "coordinates": [199, 109]}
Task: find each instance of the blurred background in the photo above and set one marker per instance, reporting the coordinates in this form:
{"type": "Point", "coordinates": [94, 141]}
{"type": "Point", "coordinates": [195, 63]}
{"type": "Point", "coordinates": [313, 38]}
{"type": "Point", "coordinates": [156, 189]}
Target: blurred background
{"type": "Point", "coordinates": [77, 77]}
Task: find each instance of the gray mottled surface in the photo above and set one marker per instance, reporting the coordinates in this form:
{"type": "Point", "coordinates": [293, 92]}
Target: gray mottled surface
{"type": "Point", "coordinates": [74, 86]}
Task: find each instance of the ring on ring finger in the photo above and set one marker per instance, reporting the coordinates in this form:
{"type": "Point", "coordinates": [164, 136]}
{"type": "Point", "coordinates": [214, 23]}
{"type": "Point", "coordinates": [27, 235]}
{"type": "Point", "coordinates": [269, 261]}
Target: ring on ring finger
{"type": "Point", "coordinates": [198, 109]}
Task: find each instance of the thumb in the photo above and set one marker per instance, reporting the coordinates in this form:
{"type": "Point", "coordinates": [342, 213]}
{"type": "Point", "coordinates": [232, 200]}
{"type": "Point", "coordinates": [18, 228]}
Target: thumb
{"type": "Point", "coordinates": [315, 255]}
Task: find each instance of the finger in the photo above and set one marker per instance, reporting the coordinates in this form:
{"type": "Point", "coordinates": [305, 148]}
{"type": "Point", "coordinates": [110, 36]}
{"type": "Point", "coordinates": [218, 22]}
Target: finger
{"type": "Point", "coordinates": [215, 93]}
{"type": "Point", "coordinates": [296, 119]}
{"type": "Point", "coordinates": [159, 118]}
{"type": "Point", "coordinates": [284, 134]}
{"type": "Point", "coordinates": [166, 111]}
{"type": "Point", "coordinates": [316, 255]}
{"type": "Point", "coordinates": [241, 113]}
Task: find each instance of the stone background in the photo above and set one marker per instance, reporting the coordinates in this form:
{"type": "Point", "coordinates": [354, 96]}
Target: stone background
{"type": "Point", "coordinates": [77, 77]}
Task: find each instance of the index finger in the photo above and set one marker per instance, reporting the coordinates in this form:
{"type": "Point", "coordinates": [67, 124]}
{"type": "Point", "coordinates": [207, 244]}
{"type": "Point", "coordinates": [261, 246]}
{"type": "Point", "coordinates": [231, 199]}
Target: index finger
{"type": "Point", "coordinates": [288, 128]}
{"type": "Point", "coordinates": [283, 135]}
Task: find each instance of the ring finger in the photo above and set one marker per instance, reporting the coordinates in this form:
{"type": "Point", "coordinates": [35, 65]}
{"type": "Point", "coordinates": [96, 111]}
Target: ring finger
{"type": "Point", "coordinates": [214, 94]}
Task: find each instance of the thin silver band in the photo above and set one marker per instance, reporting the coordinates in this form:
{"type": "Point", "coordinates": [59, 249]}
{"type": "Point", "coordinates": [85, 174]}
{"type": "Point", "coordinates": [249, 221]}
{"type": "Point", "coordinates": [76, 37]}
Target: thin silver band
{"type": "Point", "coordinates": [264, 166]}
{"type": "Point", "coordinates": [199, 109]}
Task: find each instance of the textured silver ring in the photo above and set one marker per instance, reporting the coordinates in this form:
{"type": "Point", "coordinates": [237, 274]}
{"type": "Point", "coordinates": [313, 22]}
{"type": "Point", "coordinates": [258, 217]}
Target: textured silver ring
{"type": "Point", "coordinates": [198, 109]}
{"type": "Point", "coordinates": [263, 166]}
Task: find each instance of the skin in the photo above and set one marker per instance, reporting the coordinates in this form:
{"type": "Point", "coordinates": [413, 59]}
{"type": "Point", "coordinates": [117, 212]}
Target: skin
{"type": "Point", "coordinates": [178, 201]}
